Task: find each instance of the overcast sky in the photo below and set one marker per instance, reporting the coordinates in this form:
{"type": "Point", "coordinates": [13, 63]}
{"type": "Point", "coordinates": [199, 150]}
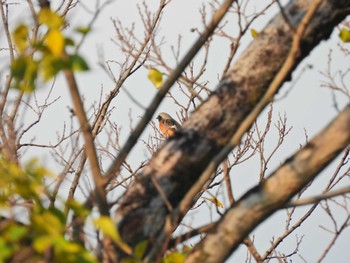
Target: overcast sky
{"type": "Point", "coordinates": [307, 105]}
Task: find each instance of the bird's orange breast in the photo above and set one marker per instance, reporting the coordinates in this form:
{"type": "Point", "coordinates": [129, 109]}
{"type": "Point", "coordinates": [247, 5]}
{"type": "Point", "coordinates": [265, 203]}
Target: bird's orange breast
{"type": "Point", "coordinates": [166, 130]}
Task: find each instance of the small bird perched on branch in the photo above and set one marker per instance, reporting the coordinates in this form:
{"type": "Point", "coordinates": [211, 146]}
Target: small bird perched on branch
{"type": "Point", "coordinates": [167, 124]}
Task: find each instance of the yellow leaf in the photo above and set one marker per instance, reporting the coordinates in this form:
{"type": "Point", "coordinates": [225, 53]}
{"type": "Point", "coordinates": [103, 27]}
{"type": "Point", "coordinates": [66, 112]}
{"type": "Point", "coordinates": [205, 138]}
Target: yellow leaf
{"type": "Point", "coordinates": [49, 223]}
{"type": "Point", "coordinates": [344, 35]}
{"type": "Point", "coordinates": [42, 243]}
{"type": "Point", "coordinates": [215, 201]}
{"type": "Point", "coordinates": [78, 208]}
{"type": "Point", "coordinates": [175, 257]}
{"type": "Point", "coordinates": [61, 244]}
{"type": "Point", "coordinates": [30, 75]}
{"type": "Point", "coordinates": [156, 77]}
{"type": "Point", "coordinates": [105, 224]}
{"type": "Point", "coordinates": [55, 42]}
{"type": "Point", "coordinates": [254, 33]}
{"type": "Point", "coordinates": [20, 37]}
{"type": "Point", "coordinates": [50, 66]}
{"type": "Point", "coordinates": [186, 249]}
{"type": "Point", "coordinates": [51, 19]}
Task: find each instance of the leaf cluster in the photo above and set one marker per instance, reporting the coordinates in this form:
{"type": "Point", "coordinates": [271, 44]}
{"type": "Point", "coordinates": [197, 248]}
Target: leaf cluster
{"type": "Point", "coordinates": [45, 231]}
{"type": "Point", "coordinates": [43, 57]}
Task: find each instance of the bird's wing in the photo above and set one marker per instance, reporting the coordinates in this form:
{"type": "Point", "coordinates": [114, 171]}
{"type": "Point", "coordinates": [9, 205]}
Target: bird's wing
{"type": "Point", "coordinates": [172, 124]}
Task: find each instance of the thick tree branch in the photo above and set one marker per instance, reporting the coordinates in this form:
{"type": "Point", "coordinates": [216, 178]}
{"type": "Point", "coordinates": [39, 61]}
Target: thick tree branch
{"type": "Point", "coordinates": [182, 159]}
{"type": "Point", "coordinates": [276, 83]}
{"type": "Point", "coordinates": [263, 200]}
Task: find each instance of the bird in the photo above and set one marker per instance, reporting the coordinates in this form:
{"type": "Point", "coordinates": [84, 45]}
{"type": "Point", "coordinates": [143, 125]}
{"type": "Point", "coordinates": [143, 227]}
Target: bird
{"type": "Point", "coordinates": [167, 125]}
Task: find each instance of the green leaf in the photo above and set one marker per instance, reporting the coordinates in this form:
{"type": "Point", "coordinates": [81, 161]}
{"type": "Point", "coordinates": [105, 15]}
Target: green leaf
{"type": "Point", "coordinates": [18, 67]}
{"type": "Point", "coordinates": [69, 42]}
{"type": "Point", "coordinates": [83, 30]}
{"type": "Point", "coordinates": [30, 75]}
{"type": "Point", "coordinates": [140, 249]}
{"type": "Point", "coordinates": [156, 77]}
{"type": "Point", "coordinates": [344, 35]}
{"type": "Point", "coordinates": [77, 63]}
{"type": "Point", "coordinates": [14, 233]}
{"type": "Point", "coordinates": [5, 249]}
{"type": "Point", "coordinates": [25, 71]}
{"type": "Point", "coordinates": [78, 208]}
{"type": "Point", "coordinates": [131, 260]}
{"type": "Point", "coordinates": [50, 67]}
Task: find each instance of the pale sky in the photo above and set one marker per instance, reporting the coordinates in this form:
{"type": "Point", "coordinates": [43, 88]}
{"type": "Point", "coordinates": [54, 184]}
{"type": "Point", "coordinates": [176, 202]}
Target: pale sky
{"type": "Point", "coordinates": [307, 106]}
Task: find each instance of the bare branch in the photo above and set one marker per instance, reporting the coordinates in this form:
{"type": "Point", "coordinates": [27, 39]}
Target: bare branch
{"type": "Point", "coordinates": [318, 198]}
{"type": "Point", "coordinates": [261, 201]}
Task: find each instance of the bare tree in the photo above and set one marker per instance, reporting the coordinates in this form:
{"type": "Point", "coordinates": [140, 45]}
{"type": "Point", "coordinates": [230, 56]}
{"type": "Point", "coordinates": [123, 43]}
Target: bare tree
{"type": "Point", "coordinates": [139, 207]}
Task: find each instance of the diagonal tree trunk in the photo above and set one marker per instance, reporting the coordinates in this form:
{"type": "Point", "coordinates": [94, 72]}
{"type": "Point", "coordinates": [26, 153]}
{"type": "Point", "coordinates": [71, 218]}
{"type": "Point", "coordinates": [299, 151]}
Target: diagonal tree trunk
{"type": "Point", "coordinates": [266, 198]}
{"type": "Point", "coordinates": [179, 163]}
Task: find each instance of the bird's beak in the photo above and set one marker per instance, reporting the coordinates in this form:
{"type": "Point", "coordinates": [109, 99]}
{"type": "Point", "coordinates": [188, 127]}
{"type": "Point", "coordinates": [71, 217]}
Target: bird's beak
{"type": "Point", "coordinates": [158, 118]}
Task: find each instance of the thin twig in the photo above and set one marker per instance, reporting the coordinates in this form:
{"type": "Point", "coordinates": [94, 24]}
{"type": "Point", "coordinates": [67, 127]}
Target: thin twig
{"type": "Point", "coordinates": [318, 198]}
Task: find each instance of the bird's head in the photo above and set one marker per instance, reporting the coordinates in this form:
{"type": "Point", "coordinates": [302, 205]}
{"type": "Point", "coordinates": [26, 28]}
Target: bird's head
{"type": "Point", "coordinates": [163, 116]}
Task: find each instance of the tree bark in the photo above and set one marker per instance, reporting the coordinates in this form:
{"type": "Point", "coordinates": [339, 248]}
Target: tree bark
{"type": "Point", "coordinates": [180, 161]}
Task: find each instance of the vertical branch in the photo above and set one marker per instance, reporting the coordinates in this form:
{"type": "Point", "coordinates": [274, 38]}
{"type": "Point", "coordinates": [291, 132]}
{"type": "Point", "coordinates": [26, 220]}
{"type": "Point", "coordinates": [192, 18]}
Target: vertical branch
{"type": "Point", "coordinates": [89, 141]}
{"type": "Point", "coordinates": [228, 181]}
{"type": "Point", "coordinates": [9, 141]}
{"type": "Point", "coordinates": [7, 31]}
{"type": "Point", "coordinates": [90, 151]}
